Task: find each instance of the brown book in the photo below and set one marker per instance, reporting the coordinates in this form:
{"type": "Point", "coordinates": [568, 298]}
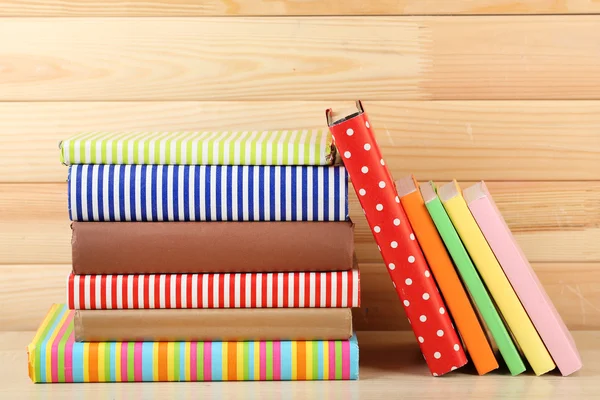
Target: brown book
{"type": "Point", "coordinates": [194, 247]}
{"type": "Point", "coordinates": [213, 324]}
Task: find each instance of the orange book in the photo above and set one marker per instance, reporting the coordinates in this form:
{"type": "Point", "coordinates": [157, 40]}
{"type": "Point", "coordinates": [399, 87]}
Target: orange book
{"type": "Point", "coordinates": [446, 276]}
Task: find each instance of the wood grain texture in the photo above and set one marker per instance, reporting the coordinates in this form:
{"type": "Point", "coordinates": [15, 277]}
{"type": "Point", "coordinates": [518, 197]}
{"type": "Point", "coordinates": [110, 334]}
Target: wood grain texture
{"type": "Point", "coordinates": [467, 140]}
{"type": "Point", "coordinates": [26, 292]}
{"type": "Point", "coordinates": [574, 288]}
{"type": "Point", "coordinates": [188, 8]}
{"type": "Point", "coordinates": [552, 221]}
{"type": "Point", "coordinates": [337, 58]}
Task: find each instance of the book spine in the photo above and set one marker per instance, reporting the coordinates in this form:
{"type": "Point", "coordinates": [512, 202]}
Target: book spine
{"type": "Point", "coordinates": [204, 247]}
{"type": "Point", "coordinates": [208, 325]}
{"type": "Point", "coordinates": [452, 290]}
{"type": "Point", "coordinates": [439, 342]}
{"type": "Point", "coordinates": [297, 147]}
{"type": "Point", "coordinates": [207, 193]}
{"type": "Point", "coordinates": [227, 290]}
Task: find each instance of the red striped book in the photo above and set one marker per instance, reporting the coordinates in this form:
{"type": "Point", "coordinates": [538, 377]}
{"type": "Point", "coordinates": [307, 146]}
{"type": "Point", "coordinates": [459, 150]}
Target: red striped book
{"type": "Point", "coordinates": [215, 290]}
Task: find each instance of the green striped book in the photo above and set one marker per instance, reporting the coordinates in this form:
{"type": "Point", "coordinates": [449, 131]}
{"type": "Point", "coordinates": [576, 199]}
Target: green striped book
{"type": "Point", "coordinates": [297, 147]}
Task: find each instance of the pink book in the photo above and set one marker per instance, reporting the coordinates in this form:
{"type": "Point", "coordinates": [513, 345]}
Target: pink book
{"type": "Point", "coordinates": [531, 293]}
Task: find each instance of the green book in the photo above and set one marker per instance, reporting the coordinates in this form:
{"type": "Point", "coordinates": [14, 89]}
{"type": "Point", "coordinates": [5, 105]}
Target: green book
{"type": "Point", "coordinates": [470, 277]}
{"type": "Point", "coordinates": [293, 147]}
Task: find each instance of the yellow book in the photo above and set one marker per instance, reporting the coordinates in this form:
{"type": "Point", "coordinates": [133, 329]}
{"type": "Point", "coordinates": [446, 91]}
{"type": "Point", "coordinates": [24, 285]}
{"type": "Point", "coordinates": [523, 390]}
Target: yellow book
{"type": "Point", "coordinates": [497, 283]}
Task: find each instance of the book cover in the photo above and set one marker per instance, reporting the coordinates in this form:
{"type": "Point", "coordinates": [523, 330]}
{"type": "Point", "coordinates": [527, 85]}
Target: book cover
{"type": "Point", "coordinates": [193, 247]}
{"type": "Point", "coordinates": [207, 193]}
{"type": "Point", "coordinates": [486, 263]}
{"type": "Point", "coordinates": [192, 325]}
{"type": "Point", "coordinates": [54, 357]}
{"type": "Point", "coordinates": [523, 279]}
{"type": "Point", "coordinates": [331, 289]}
{"type": "Point", "coordinates": [472, 281]}
{"type": "Point", "coordinates": [438, 340]}
{"type": "Point", "coordinates": [445, 275]}
{"type": "Point", "coordinates": [294, 147]}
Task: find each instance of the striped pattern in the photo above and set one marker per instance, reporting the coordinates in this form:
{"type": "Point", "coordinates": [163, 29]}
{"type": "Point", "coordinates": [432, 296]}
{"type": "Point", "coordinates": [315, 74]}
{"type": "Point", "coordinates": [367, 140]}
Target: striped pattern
{"type": "Point", "coordinates": [228, 290]}
{"type": "Point", "coordinates": [55, 357]}
{"type": "Point", "coordinates": [207, 193]}
{"type": "Point", "coordinates": [304, 147]}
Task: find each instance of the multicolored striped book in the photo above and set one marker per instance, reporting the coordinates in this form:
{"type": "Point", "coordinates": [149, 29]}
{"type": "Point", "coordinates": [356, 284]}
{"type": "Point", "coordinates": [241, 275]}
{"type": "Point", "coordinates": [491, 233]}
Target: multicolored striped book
{"type": "Point", "coordinates": [297, 147]}
{"type": "Point", "coordinates": [207, 193]}
{"type": "Point", "coordinates": [215, 290]}
{"type": "Point", "coordinates": [54, 356]}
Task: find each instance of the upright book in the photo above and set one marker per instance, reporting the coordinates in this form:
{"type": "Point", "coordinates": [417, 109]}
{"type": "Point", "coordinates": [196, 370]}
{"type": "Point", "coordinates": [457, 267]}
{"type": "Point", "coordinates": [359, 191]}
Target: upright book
{"type": "Point", "coordinates": [484, 259]}
{"type": "Point", "coordinates": [523, 279]}
{"type": "Point", "coordinates": [446, 277]}
{"type": "Point", "coordinates": [54, 357]}
{"type": "Point", "coordinates": [355, 140]}
{"type": "Point", "coordinates": [472, 281]}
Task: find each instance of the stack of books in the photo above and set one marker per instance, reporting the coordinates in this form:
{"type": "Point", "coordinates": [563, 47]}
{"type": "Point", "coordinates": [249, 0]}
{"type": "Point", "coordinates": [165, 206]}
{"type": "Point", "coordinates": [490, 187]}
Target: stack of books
{"type": "Point", "coordinates": [204, 256]}
{"type": "Point", "coordinates": [451, 255]}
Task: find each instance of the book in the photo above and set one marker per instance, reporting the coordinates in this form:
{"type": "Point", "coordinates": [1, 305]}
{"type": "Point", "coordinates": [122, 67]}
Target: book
{"type": "Point", "coordinates": [54, 357]}
{"type": "Point", "coordinates": [191, 325]}
{"type": "Point", "coordinates": [188, 325]}
{"type": "Point", "coordinates": [286, 147]}
{"type": "Point", "coordinates": [193, 247]}
{"type": "Point", "coordinates": [486, 263]}
{"type": "Point", "coordinates": [445, 275]}
{"type": "Point", "coordinates": [476, 289]}
{"type": "Point", "coordinates": [207, 193]}
{"type": "Point", "coordinates": [404, 261]}
{"type": "Point", "coordinates": [331, 289]}
{"type": "Point", "coordinates": [524, 281]}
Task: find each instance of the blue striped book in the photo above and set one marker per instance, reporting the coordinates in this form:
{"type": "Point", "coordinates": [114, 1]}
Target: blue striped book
{"type": "Point", "coordinates": [207, 193]}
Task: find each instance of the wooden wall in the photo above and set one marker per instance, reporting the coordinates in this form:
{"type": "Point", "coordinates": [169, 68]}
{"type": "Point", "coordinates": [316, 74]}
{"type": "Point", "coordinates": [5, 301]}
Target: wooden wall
{"type": "Point", "coordinates": [502, 90]}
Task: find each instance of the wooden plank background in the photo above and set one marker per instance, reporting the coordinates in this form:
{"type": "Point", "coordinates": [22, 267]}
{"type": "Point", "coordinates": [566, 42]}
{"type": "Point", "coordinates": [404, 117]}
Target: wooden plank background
{"type": "Point", "coordinates": [182, 8]}
{"type": "Point", "coordinates": [501, 93]}
{"type": "Point", "coordinates": [300, 58]}
{"type": "Point", "coordinates": [491, 140]}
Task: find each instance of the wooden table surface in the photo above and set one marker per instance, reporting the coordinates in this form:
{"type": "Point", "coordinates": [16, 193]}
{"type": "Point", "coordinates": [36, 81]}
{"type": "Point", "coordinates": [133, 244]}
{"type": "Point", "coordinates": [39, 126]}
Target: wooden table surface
{"type": "Point", "coordinates": [391, 367]}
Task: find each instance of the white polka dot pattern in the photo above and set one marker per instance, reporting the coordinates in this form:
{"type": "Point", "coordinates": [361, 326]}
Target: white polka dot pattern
{"type": "Point", "coordinates": [396, 242]}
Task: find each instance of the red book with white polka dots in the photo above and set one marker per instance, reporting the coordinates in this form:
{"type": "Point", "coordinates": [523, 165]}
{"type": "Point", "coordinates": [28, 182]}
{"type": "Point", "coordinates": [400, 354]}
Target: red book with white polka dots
{"type": "Point", "coordinates": [353, 136]}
